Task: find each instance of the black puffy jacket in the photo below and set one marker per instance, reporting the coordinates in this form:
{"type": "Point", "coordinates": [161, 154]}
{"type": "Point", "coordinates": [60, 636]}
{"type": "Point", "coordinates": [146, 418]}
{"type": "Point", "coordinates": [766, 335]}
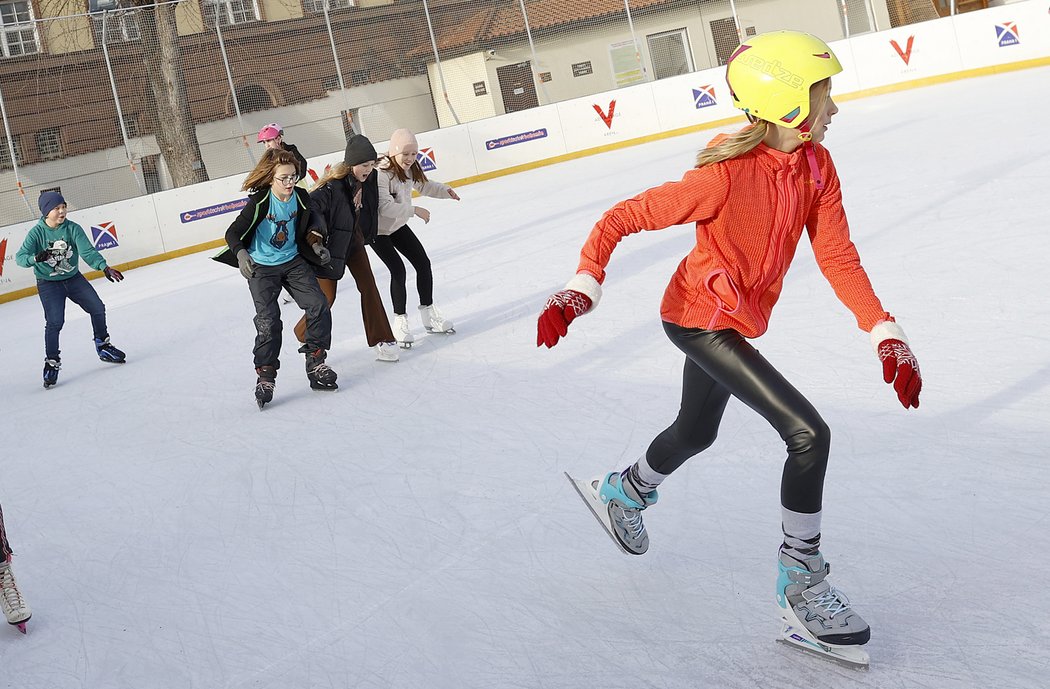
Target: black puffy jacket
{"type": "Point", "coordinates": [336, 218]}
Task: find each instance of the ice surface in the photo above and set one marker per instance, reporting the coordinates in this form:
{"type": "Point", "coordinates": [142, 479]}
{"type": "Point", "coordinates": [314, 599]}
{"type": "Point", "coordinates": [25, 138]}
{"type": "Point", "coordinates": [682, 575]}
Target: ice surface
{"type": "Point", "coordinates": [414, 529]}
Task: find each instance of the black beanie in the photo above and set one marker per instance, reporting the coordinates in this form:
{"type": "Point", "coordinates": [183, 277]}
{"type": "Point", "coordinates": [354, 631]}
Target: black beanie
{"type": "Point", "coordinates": [359, 150]}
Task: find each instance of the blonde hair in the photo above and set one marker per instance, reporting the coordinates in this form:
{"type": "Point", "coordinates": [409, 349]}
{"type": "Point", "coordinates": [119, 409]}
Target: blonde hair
{"type": "Point", "coordinates": [261, 176]}
{"type": "Point", "coordinates": [752, 135]}
{"type": "Point", "coordinates": [338, 171]}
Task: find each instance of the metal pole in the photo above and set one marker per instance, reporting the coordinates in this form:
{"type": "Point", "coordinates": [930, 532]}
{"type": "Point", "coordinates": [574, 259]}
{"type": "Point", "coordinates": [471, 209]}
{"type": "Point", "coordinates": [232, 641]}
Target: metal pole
{"type": "Point", "coordinates": [845, 17]}
{"type": "Point", "coordinates": [338, 68]}
{"type": "Point", "coordinates": [116, 101]}
{"type": "Point", "coordinates": [437, 60]}
{"type": "Point", "coordinates": [634, 39]}
{"type": "Point", "coordinates": [229, 79]}
{"type": "Point", "coordinates": [532, 48]}
{"type": "Point", "coordinates": [14, 158]}
{"type": "Point", "coordinates": [953, 8]}
{"type": "Point", "coordinates": [736, 23]}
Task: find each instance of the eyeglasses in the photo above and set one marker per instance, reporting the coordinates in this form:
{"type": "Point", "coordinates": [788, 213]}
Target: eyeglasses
{"type": "Point", "coordinates": [288, 179]}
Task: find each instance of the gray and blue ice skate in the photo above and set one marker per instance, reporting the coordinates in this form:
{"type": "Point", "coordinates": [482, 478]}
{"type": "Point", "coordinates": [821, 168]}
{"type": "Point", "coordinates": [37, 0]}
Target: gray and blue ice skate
{"type": "Point", "coordinates": [617, 509]}
{"type": "Point", "coordinates": [817, 617]}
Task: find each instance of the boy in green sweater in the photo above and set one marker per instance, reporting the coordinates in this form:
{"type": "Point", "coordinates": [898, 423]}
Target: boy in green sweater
{"type": "Point", "coordinates": [52, 249]}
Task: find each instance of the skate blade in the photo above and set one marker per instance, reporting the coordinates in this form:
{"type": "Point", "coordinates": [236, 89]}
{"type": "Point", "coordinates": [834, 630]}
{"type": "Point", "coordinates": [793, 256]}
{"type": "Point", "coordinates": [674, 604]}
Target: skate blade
{"type": "Point", "coordinates": [852, 657]}
{"type": "Point", "coordinates": [404, 345]}
{"type": "Point", "coordinates": [597, 508]}
{"type": "Point", "coordinates": [21, 627]}
{"type": "Point", "coordinates": [450, 331]}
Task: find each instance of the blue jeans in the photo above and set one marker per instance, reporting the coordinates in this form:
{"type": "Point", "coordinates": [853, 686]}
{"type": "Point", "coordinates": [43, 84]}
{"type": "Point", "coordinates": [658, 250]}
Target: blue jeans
{"type": "Point", "coordinates": [53, 295]}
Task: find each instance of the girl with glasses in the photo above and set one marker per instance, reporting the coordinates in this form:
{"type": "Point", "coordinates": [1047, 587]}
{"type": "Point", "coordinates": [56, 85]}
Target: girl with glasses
{"type": "Point", "coordinates": [274, 245]}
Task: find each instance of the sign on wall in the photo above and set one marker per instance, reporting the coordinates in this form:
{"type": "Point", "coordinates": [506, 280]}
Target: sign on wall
{"type": "Point", "coordinates": [626, 63]}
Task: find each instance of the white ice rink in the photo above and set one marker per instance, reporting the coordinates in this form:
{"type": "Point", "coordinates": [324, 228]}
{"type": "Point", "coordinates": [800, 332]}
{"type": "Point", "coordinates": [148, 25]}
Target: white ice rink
{"type": "Point", "coordinates": [414, 529]}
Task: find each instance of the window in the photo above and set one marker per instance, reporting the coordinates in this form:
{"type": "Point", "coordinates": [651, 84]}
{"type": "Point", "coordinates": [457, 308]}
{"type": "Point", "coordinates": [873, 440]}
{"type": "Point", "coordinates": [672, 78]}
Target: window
{"type": "Point", "coordinates": [229, 11]}
{"type": "Point", "coordinates": [120, 27]}
{"type": "Point", "coordinates": [317, 6]}
{"type": "Point", "coordinates": [253, 98]}
{"type": "Point", "coordinates": [49, 143]}
{"type": "Point", "coordinates": [331, 83]}
{"type": "Point", "coordinates": [5, 154]}
{"type": "Point", "coordinates": [19, 31]}
{"type": "Point", "coordinates": [670, 54]}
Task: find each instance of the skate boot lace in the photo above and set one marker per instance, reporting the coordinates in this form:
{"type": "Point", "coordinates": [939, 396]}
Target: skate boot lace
{"type": "Point", "coordinates": [632, 521]}
{"type": "Point", "coordinates": [833, 601]}
{"type": "Point", "coordinates": [12, 596]}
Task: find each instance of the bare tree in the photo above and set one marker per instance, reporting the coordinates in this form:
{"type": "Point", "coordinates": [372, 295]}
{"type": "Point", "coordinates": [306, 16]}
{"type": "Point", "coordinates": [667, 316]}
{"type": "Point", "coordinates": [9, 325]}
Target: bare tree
{"type": "Point", "coordinates": [175, 130]}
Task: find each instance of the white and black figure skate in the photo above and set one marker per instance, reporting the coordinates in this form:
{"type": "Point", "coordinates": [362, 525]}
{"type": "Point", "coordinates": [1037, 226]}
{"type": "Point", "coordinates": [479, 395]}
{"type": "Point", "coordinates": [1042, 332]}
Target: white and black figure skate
{"type": "Point", "coordinates": [265, 385]}
{"type": "Point", "coordinates": [16, 610]}
{"type": "Point", "coordinates": [816, 617]}
{"type": "Point", "coordinates": [402, 332]}
{"type": "Point", "coordinates": [617, 510]}
{"type": "Point", "coordinates": [434, 322]}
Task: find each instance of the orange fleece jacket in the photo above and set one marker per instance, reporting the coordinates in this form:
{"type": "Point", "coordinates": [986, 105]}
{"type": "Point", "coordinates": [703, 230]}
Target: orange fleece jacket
{"type": "Point", "coordinates": [749, 213]}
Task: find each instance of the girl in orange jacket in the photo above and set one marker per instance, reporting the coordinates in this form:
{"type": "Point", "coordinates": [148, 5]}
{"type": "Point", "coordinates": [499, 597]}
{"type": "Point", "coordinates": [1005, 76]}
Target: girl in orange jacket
{"type": "Point", "coordinates": [750, 196]}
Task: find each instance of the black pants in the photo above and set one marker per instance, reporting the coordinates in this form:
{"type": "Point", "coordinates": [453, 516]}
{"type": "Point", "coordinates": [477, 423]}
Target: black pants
{"type": "Point", "coordinates": [301, 282]}
{"type": "Point", "coordinates": [389, 249]}
{"type": "Point", "coordinates": [720, 363]}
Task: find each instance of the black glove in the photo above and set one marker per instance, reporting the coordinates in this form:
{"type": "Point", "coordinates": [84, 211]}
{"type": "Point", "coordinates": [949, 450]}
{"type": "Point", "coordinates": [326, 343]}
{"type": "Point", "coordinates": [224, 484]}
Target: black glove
{"type": "Point", "coordinates": [322, 253]}
{"type": "Point", "coordinates": [112, 274]}
{"type": "Point", "coordinates": [245, 263]}
{"type": "Point", "coordinates": [42, 256]}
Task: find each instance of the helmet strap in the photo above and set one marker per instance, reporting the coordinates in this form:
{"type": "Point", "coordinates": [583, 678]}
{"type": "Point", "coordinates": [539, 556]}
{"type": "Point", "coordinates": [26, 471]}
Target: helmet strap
{"type": "Point", "coordinates": [811, 155]}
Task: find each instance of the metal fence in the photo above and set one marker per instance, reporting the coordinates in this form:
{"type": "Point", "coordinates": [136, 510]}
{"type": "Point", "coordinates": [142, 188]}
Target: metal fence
{"type": "Point", "coordinates": [136, 98]}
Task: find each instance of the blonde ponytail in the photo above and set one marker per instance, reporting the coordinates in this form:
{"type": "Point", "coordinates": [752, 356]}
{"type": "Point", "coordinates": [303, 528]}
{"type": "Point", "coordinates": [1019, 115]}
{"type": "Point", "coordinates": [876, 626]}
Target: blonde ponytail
{"type": "Point", "coordinates": [736, 145]}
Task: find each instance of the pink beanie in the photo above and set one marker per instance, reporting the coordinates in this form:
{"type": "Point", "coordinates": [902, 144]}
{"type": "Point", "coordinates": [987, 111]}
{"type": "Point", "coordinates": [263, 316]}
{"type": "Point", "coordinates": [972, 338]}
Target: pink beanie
{"type": "Point", "coordinates": [400, 140]}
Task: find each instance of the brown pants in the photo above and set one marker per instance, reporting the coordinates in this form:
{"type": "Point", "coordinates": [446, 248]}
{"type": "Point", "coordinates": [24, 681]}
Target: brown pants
{"type": "Point", "coordinates": [5, 547]}
{"type": "Point", "coordinates": [373, 313]}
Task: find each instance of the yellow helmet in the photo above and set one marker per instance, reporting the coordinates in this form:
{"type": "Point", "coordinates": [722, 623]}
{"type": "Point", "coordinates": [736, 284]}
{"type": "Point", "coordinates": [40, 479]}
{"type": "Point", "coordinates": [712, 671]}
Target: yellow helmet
{"type": "Point", "coordinates": [770, 75]}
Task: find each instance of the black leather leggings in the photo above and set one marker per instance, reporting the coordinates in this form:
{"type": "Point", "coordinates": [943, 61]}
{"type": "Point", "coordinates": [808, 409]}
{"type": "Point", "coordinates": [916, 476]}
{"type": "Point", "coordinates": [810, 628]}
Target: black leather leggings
{"type": "Point", "coordinates": [720, 363]}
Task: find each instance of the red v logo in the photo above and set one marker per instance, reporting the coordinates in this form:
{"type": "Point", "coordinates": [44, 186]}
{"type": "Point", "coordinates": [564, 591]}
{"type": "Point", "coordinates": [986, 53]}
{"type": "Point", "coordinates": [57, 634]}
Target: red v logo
{"type": "Point", "coordinates": [905, 54]}
{"type": "Point", "coordinates": [3, 253]}
{"type": "Point", "coordinates": [607, 119]}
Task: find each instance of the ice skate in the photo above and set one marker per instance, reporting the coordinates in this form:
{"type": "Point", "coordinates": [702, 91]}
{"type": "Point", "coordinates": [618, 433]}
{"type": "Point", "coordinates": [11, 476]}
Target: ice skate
{"type": "Point", "coordinates": [434, 322]}
{"type": "Point", "coordinates": [321, 376]}
{"type": "Point", "coordinates": [402, 333]}
{"type": "Point", "coordinates": [265, 385]}
{"type": "Point", "coordinates": [16, 610]}
{"type": "Point", "coordinates": [387, 351]}
{"type": "Point", "coordinates": [617, 509]}
{"type": "Point", "coordinates": [816, 617]}
{"type": "Point", "coordinates": [107, 352]}
{"type": "Point", "coordinates": [51, 367]}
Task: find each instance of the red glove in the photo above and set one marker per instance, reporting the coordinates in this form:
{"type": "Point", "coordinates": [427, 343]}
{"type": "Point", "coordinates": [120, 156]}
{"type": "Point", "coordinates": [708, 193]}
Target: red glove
{"type": "Point", "coordinates": [899, 365]}
{"type": "Point", "coordinates": [562, 308]}
{"type": "Point", "coordinates": [112, 274]}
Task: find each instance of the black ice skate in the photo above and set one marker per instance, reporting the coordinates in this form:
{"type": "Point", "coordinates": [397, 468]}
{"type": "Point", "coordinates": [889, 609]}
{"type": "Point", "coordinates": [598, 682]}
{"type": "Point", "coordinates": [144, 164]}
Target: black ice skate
{"type": "Point", "coordinates": [321, 376]}
{"type": "Point", "coordinates": [107, 352]}
{"type": "Point", "coordinates": [51, 367]}
{"type": "Point", "coordinates": [265, 384]}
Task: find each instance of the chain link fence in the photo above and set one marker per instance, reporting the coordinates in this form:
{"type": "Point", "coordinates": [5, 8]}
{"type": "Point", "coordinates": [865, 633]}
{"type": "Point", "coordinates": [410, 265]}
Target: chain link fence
{"type": "Point", "coordinates": [130, 98]}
